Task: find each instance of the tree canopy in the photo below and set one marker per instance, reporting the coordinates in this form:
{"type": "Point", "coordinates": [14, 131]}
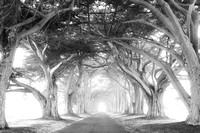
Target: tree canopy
{"type": "Point", "coordinates": [146, 42]}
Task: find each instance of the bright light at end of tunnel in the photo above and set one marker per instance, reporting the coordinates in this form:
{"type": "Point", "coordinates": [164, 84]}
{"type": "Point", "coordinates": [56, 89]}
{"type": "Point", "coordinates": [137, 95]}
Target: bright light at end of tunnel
{"type": "Point", "coordinates": [102, 107]}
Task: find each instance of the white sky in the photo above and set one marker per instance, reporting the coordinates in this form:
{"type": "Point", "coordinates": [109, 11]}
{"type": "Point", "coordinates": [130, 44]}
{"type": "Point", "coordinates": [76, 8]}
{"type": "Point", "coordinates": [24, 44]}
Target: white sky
{"type": "Point", "coordinates": [20, 55]}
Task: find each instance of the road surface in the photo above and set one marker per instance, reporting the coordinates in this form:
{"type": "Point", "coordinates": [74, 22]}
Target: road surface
{"type": "Point", "coordinates": [99, 123]}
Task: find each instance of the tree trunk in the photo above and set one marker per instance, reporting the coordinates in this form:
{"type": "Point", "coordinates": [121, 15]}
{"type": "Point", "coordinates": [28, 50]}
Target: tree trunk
{"type": "Point", "coordinates": [126, 95]}
{"type": "Point", "coordinates": [86, 92]}
{"type": "Point", "coordinates": [82, 106]}
{"type": "Point", "coordinates": [117, 100]}
{"type": "Point", "coordinates": [51, 109]}
{"type": "Point", "coordinates": [66, 95]}
{"type": "Point", "coordinates": [66, 103]}
{"type": "Point", "coordinates": [70, 110]}
{"type": "Point", "coordinates": [131, 106]}
{"type": "Point", "coordinates": [194, 114]}
{"type": "Point", "coordinates": [6, 69]}
{"type": "Point", "coordinates": [190, 52]}
{"type": "Point", "coordinates": [119, 103]}
{"type": "Point", "coordinates": [155, 106]}
{"type": "Point", "coordinates": [126, 110]}
{"type": "Point", "coordinates": [139, 101]}
{"type": "Point", "coordinates": [3, 86]}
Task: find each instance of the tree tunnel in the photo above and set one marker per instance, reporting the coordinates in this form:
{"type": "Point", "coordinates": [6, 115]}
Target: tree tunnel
{"type": "Point", "coordinates": [76, 54]}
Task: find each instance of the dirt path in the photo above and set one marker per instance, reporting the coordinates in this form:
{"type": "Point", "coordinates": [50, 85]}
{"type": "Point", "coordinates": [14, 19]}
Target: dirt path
{"type": "Point", "coordinates": [99, 123]}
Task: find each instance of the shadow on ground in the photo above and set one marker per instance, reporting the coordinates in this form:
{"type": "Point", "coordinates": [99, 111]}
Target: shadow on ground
{"type": "Point", "coordinates": [19, 130]}
{"type": "Point", "coordinates": [132, 123]}
{"type": "Point", "coordinates": [39, 125]}
{"type": "Point", "coordinates": [178, 127]}
{"type": "Point", "coordinates": [140, 124]}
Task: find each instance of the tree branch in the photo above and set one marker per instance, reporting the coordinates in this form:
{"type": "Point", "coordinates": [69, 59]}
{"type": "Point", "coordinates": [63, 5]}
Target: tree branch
{"type": "Point", "coordinates": [168, 24]}
{"type": "Point", "coordinates": [34, 91]}
{"type": "Point", "coordinates": [59, 64]}
{"type": "Point", "coordinates": [104, 65]}
{"type": "Point", "coordinates": [183, 10]}
{"type": "Point", "coordinates": [22, 23]}
{"type": "Point", "coordinates": [40, 24]}
{"type": "Point", "coordinates": [152, 25]}
{"type": "Point", "coordinates": [36, 50]}
{"type": "Point", "coordinates": [191, 57]}
{"type": "Point", "coordinates": [152, 43]}
{"type": "Point", "coordinates": [18, 90]}
{"type": "Point", "coordinates": [43, 51]}
{"type": "Point", "coordinates": [175, 82]}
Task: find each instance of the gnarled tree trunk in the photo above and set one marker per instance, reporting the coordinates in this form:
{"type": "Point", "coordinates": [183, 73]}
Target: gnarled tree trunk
{"type": "Point", "coordinates": [6, 71]}
{"type": "Point", "coordinates": [194, 114]}
{"type": "Point", "coordinates": [51, 109]}
{"type": "Point", "coordinates": [155, 106]}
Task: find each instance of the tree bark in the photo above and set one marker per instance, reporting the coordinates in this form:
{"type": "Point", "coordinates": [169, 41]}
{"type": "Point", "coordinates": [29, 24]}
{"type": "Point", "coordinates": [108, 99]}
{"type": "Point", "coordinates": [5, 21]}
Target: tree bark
{"type": "Point", "coordinates": [66, 104]}
{"type": "Point", "coordinates": [6, 68]}
{"type": "Point", "coordinates": [139, 101]}
{"type": "Point", "coordinates": [51, 109]}
{"type": "Point", "coordinates": [155, 106]}
{"type": "Point", "coordinates": [194, 114]}
{"type": "Point", "coordinates": [71, 83]}
{"type": "Point", "coordinates": [131, 108]}
{"type": "Point", "coordinates": [131, 104]}
{"type": "Point", "coordinates": [86, 92]}
{"type": "Point", "coordinates": [66, 95]}
{"type": "Point", "coordinates": [82, 106]}
{"type": "Point", "coordinates": [70, 110]}
{"type": "Point", "coordinates": [127, 104]}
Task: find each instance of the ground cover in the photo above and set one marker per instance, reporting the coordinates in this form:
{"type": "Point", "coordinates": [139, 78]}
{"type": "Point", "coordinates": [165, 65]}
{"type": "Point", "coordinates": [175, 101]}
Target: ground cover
{"type": "Point", "coordinates": [141, 124]}
{"type": "Point", "coordinates": [40, 125]}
